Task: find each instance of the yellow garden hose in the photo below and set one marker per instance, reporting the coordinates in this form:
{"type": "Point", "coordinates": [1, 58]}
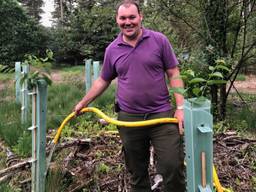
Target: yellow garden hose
{"type": "Point", "coordinates": [216, 181]}
{"type": "Point", "coordinates": [113, 121]}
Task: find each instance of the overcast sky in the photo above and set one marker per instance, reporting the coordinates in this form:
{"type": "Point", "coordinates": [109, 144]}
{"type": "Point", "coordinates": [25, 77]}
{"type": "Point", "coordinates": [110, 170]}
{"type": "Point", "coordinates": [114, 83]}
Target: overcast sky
{"type": "Point", "coordinates": [46, 17]}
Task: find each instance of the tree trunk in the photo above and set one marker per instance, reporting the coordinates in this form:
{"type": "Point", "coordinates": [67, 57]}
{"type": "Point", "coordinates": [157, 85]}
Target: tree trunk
{"type": "Point", "coordinates": [223, 102]}
{"type": "Point", "coordinates": [214, 95]}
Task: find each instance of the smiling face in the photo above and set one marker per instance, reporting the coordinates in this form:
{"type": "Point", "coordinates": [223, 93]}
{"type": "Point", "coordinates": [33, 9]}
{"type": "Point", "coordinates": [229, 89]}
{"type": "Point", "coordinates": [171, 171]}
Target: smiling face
{"type": "Point", "coordinates": [129, 20]}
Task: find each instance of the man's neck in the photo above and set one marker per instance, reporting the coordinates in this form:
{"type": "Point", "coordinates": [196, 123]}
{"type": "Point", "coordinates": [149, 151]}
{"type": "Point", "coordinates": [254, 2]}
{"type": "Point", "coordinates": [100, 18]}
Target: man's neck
{"type": "Point", "coordinates": [134, 41]}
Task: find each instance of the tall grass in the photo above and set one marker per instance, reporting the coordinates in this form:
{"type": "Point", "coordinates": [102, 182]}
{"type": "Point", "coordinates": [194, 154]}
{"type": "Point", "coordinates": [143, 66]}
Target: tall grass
{"type": "Point", "coordinates": [12, 131]}
{"type": "Point", "coordinates": [8, 92]}
{"type": "Point", "coordinates": [6, 77]}
{"type": "Point", "coordinates": [61, 101]}
{"type": "Point", "coordinates": [56, 181]}
{"type": "Point", "coordinates": [74, 69]}
{"type": "Point", "coordinates": [106, 99]}
{"type": "Point", "coordinates": [5, 187]}
{"type": "Point", "coordinates": [10, 126]}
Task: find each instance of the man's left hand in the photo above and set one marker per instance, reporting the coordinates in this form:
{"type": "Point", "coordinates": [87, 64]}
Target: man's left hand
{"type": "Point", "coordinates": [179, 114]}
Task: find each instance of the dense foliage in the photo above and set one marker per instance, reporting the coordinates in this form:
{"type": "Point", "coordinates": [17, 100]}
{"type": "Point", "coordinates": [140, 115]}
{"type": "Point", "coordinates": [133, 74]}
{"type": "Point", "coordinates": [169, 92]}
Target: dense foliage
{"type": "Point", "coordinates": [83, 30]}
{"type": "Point", "coordinates": [201, 32]}
{"type": "Point", "coordinates": [19, 33]}
{"type": "Point", "coordinates": [33, 8]}
{"type": "Point", "coordinates": [209, 31]}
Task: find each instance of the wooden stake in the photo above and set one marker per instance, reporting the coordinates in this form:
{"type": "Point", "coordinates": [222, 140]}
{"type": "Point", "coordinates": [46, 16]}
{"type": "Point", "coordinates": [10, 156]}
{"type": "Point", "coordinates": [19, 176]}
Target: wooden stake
{"type": "Point", "coordinates": [203, 163]}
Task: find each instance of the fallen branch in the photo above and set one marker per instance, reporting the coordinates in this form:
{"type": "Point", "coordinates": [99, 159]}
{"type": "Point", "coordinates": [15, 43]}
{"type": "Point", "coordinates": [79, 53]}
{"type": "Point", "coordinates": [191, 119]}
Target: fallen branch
{"type": "Point", "coordinates": [4, 178]}
{"type": "Point", "coordinates": [71, 143]}
{"type": "Point", "coordinates": [13, 168]}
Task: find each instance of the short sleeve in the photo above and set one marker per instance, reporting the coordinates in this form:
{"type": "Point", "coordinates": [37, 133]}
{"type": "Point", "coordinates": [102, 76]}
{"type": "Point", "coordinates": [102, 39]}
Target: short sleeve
{"type": "Point", "coordinates": [108, 72]}
{"type": "Point", "coordinates": [168, 56]}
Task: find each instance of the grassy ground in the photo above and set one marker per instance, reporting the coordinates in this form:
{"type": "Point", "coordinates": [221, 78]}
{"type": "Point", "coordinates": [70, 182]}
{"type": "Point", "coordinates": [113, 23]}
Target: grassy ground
{"type": "Point", "coordinates": [4, 77]}
{"type": "Point", "coordinates": [62, 98]}
{"type": "Point", "coordinates": [241, 115]}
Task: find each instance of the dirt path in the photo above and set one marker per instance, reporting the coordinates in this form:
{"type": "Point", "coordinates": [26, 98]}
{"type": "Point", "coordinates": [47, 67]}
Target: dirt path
{"type": "Point", "coordinates": [56, 76]}
{"type": "Point", "coordinates": [247, 86]}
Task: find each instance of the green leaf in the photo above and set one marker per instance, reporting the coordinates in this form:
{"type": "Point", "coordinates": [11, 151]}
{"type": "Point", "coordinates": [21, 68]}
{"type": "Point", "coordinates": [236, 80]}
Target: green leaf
{"type": "Point", "coordinates": [216, 74]}
{"type": "Point", "coordinates": [23, 78]}
{"type": "Point", "coordinates": [45, 59]}
{"type": "Point", "coordinates": [211, 68]}
{"type": "Point", "coordinates": [216, 82]}
{"type": "Point", "coordinates": [47, 79]}
{"type": "Point", "coordinates": [188, 72]}
{"type": "Point", "coordinates": [34, 75]}
{"type": "Point", "coordinates": [222, 67]}
{"type": "Point", "coordinates": [196, 91]}
{"type": "Point", "coordinates": [49, 53]}
{"type": "Point", "coordinates": [220, 61]}
{"type": "Point", "coordinates": [200, 100]}
{"type": "Point", "coordinates": [197, 80]}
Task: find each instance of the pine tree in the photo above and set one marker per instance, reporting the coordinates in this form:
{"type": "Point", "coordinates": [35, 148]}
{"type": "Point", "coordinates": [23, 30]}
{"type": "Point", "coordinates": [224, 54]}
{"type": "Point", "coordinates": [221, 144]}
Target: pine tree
{"type": "Point", "coordinates": [33, 7]}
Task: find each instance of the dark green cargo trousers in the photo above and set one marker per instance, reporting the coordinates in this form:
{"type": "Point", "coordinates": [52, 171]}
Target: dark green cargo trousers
{"type": "Point", "coordinates": [168, 149]}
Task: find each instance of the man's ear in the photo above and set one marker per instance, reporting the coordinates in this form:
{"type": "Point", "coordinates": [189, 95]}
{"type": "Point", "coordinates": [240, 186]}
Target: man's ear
{"type": "Point", "coordinates": [116, 18]}
{"type": "Point", "coordinates": [141, 16]}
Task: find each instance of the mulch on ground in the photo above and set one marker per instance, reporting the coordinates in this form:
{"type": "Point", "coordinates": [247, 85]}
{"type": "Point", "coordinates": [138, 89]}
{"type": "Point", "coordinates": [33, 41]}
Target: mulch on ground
{"type": "Point", "coordinates": [97, 164]}
{"type": "Point", "coordinates": [100, 165]}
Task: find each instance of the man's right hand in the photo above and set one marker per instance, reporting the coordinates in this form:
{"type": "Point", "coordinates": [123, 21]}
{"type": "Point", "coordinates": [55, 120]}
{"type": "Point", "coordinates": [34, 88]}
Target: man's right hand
{"type": "Point", "coordinates": [78, 108]}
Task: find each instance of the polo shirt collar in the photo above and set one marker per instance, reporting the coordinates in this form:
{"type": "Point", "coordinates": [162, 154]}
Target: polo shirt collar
{"type": "Point", "coordinates": [145, 34]}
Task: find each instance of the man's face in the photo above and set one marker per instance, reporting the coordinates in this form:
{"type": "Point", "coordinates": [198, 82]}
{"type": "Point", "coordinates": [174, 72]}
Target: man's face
{"type": "Point", "coordinates": [129, 21]}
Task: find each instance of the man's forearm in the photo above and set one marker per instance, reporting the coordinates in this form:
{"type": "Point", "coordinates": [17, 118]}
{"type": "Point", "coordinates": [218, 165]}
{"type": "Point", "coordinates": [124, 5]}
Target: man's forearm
{"type": "Point", "coordinates": [176, 82]}
{"type": "Point", "coordinates": [179, 98]}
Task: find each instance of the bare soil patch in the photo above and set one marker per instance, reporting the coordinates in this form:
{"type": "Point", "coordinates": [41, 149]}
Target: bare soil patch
{"type": "Point", "coordinates": [247, 86]}
{"type": "Point", "coordinates": [56, 76]}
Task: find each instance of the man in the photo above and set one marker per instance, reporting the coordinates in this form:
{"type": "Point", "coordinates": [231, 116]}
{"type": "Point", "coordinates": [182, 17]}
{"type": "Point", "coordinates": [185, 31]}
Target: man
{"type": "Point", "coordinates": [140, 58]}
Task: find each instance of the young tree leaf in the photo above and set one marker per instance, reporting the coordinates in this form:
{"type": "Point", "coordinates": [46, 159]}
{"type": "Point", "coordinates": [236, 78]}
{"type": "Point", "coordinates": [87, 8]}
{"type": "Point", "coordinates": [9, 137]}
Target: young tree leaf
{"type": "Point", "coordinates": [216, 82]}
{"type": "Point", "coordinates": [216, 74]}
{"type": "Point", "coordinates": [197, 80]}
{"type": "Point", "coordinates": [222, 67]}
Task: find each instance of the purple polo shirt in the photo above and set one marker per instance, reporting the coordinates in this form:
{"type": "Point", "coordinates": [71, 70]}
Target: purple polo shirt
{"type": "Point", "coordinates": [140, 71]}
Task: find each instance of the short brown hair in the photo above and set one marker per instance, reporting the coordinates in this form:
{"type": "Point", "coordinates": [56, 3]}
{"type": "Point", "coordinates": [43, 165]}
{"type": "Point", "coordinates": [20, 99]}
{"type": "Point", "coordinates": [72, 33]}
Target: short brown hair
{"type": "Point", "coordinates": [128, 2]}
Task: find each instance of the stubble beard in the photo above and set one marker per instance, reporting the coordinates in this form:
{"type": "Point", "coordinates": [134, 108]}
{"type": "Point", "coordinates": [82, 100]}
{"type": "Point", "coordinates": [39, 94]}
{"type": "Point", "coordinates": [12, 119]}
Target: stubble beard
{"type": "Point", "coordinates": [133, 36]}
